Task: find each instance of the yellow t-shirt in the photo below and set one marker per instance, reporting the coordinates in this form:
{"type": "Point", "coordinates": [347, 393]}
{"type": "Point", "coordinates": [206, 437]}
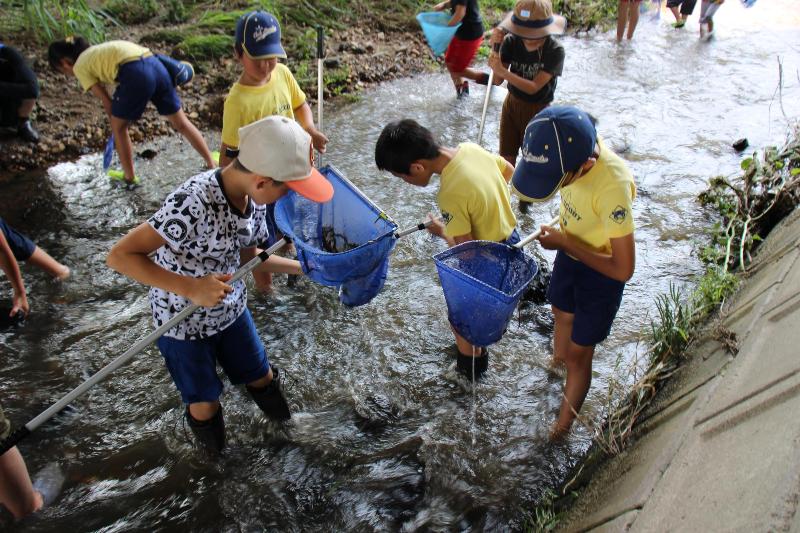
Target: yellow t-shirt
{"type": "Point", "coordinates": [245, 104]}
{"type": "Point", "coordinates": [100, 63]}
{"type": "Point", "coordinates": [474, 196]}
{"type": "Point", "coordinates": [597, 207]}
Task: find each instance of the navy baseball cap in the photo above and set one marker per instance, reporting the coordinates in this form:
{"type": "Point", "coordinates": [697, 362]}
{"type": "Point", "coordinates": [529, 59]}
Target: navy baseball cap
{"type": "Point", "coordinates": [558, 140]}
{"type": "Point", "coordinates": [259, 35]}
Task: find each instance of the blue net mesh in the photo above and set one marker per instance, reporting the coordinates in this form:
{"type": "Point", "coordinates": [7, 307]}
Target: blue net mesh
{"type": "Point", "coordinates": [343, 243]}
{"type": "Point", "coordinates": [482, 283]}
{"type": "Point", "coordinates": [437, 32]}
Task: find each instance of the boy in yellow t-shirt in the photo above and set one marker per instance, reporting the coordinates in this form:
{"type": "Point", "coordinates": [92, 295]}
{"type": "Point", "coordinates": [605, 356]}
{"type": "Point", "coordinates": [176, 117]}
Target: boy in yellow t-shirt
{"type": "Point", "coordinates": [264, 88]}
{"type": "Point", "coordinates": [473, 197]}
{"type": "Point", "coordinates": [596, 249]}
{"type": "Point", "coordinates": [140, 77]}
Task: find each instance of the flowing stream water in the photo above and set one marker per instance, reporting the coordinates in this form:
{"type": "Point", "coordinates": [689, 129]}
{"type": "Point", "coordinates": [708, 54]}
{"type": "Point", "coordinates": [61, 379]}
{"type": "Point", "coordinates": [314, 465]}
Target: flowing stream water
{"type": "Point", "coordinates": [384, 436]}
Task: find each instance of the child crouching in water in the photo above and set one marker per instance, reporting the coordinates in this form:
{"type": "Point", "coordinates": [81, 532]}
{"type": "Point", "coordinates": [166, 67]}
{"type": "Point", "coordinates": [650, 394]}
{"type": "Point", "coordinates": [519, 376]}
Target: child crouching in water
{"type": "Point", "coordinates": [140, 77]}
{"type": "Point", "coordinates": [204, 231]}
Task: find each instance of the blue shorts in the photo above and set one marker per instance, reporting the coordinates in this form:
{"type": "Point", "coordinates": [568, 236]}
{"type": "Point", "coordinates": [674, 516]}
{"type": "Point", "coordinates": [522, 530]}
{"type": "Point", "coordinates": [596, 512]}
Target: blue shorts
{"type": "Point", "coordinates": [513, 238]}
{"type": "Point", "coordinates": [591, 296]}
{"type": "Point", "coordinates": [193, 363]}
{"type": "Point", "coordinates": [21, 246]}
{"type": "Point", "coordinates": [141, 81]}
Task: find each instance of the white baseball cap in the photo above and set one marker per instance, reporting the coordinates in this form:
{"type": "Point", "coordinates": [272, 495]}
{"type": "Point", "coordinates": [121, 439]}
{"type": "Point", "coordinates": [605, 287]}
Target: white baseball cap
{"type": "Point", "coordinates": [279, 148]}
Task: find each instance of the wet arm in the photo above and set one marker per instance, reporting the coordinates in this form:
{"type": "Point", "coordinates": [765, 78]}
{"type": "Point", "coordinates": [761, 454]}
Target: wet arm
{"type": "Point", "coordinates": [458, 15]}
{"type": "Point", "coordinates": [619, 265]}
{"type": "Point", "coordinates": [305, 118]}
{"type": "Point", "coordinates": [274, 263]}
{"type": "Point", "coordinates": [508, 171]}
{"type": "Point", "coordinates": [224, 158]}
{"type": "Point", "coordinates": [528, 86]}
{"type": "Point", "coordinates": [11, 268]}
{"type": "Point", "coordinates": [99, 90]}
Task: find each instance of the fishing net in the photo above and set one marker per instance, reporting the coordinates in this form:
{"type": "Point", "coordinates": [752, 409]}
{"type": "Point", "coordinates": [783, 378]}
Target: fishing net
{"type": "Point", "coordinates": [482, 283]}
{"type": "Point", "coordinates": [342, 243]}
{"type": "Point", "coordinates": [436, 31]}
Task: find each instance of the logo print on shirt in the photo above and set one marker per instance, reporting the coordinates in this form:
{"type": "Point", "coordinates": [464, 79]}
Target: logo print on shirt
{"type": "Point", "coordinates": [261, 33]}
{"type": "Point", "coordinates": [447, 217]}
{"type": "Point", "coordinates": [619, 214]}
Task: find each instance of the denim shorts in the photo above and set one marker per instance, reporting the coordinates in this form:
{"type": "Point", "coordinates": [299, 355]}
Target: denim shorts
{"type": "Point", "coordinates": [140, 81]}
{"type": "Point", "coordinates": [512, 239]}
{"type": "Point", "coordinates": [21, 246]}
{"type": "Point", "coordinates": [193, 363]}
{"type": "Point", "coordinates": [591, 296]}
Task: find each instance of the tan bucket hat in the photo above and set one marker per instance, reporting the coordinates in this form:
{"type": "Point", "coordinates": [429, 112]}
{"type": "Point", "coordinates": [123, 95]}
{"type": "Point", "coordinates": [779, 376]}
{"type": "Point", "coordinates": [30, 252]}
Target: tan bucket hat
{"type": "Point", "coordinates": [534, 19]}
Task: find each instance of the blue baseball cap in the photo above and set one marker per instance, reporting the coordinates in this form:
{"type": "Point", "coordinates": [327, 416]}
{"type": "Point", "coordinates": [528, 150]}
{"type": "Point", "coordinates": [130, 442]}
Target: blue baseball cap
{"type": "Point", "coordinates": [558, 140]}
{"type": "Point", "coordinates": [259, 35]}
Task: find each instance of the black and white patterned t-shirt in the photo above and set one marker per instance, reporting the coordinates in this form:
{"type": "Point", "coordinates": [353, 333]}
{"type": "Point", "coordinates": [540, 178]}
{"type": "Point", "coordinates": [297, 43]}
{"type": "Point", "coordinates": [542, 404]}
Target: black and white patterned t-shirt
{"type": "Point", "coordinates": [204, 235]}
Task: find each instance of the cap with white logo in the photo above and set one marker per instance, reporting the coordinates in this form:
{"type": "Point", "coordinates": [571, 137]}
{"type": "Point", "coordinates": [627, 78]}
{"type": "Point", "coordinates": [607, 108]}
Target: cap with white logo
{"type": "Point", "coordinates": [259, 35]}
{"type": "Point", "coordinates": [279, 148]}
{"type": "Point", "coordinates": [558, 140]}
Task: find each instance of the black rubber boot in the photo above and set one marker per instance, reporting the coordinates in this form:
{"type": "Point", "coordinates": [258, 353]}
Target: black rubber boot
{"type": "Point", "coordinates": [209, 433]}
{"type": "Point", "coordinates": [270, 399]}
{"type": "Point", "coordinates": [464, 364]}
{"type": "Point", "coordinates": [26, 132]}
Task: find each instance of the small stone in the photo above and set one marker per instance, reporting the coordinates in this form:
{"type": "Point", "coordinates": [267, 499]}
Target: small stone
{"type": "Point", "coordinates": [194, 114]}
{"type": "Point", "coordinates": [740, 144]}
{"type": "Point", "coordinates": [333, 62]}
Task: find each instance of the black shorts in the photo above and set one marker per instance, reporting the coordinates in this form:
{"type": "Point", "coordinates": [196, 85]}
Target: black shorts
{"type": "Point", "coordinates": [21, 246]}
{"type": "Point", "coordinates": [591, 296]}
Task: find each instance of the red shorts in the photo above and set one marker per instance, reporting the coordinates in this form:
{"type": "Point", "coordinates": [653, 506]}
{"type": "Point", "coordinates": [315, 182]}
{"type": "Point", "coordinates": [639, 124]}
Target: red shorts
{"type": "Point", "coordinates": [460, 53]}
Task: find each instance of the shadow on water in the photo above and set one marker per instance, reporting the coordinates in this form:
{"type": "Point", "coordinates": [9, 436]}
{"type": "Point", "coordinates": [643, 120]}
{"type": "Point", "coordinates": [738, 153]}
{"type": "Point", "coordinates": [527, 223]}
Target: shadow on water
{"type": "Point", "coordinates": [384, 436]}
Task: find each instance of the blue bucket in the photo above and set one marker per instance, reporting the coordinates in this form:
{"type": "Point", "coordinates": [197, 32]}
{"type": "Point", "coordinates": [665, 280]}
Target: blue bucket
{"type": "Point", "coordinates": [482, 283]}
{"type": "Point", "coordinates": [342, 243]}
{"type": "Point", "coordinates": [437, 32]}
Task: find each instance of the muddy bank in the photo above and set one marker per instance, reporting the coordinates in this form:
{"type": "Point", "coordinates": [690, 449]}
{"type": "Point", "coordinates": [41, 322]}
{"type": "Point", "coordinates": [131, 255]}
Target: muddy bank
{"type": "Point", "coordinates": [73, 123]}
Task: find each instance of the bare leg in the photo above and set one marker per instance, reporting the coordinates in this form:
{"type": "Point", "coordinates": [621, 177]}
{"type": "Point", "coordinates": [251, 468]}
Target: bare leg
{"type": "Point", "coordinates": [24, 110]}
{"type": "Point", "coordinates": [263, 280]}
{"type": "Point", "coordinates": [16, 490]}
{"type": "Point", "coordinates": [465, 347]}
{"type": "Point", "coordinates": [184, 126]}
{"type": "Point", "coordinates": [622, 18]}
{"type": "Point", "coordinates": [457, 79]}
{"type": "Point", "coordinates": [262, 382]}
{"type": "Point", "coordinates": [43, 260]}
{"type": "Point", "coordinates": [561, 336]}
{"type": "Point", "coordinates": [202, 411]}
{"type": "Point", "coordinates": [676, 13]}
{"type": "Point", "coordinates": [122, 140]}
{"type": "Point", "coordinates": [578, 360]}
{"type": "Point", "coordinates": [633, 18]}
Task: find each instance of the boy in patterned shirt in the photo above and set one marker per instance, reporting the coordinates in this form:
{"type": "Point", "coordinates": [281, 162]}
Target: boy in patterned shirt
{"type": "Point", "coordinates": [203, 232]}
{"type": "Point", "coordinates": [265, 87]}
{"type": "Point", "coordinates": [561, 152]}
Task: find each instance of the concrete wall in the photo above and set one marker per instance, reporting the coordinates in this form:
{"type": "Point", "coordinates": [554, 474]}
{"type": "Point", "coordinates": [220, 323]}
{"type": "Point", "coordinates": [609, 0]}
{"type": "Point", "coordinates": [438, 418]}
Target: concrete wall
{"type": "Point", "coordinates": [719, 449]}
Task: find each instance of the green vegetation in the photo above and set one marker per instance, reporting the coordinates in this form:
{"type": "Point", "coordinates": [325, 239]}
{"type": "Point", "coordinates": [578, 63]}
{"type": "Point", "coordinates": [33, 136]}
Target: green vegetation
{"type": "Point", "coordinates": [132, 12]}
{"type": "Point", "coordinates": [205, 47]}
{"type": "Point", "coordinates": [48, 20]}
{"type": "Point", "coordinates": [170, 36]}
{"type": "Point", "coordinates": [749, 206]}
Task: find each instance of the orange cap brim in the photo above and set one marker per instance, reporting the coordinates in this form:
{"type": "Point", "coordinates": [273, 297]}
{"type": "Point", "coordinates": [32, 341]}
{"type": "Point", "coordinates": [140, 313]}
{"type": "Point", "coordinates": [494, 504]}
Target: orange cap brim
{"type": "Point", "coordinates": [315, 187]}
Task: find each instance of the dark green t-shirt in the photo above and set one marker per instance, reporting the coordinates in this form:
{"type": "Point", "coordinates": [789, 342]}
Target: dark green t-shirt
{"type": "Point", "coordinates": [526, 64]}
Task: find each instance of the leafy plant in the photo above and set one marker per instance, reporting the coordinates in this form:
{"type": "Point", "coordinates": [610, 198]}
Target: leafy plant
{"type": "Point", "coordinates": [131, 12]}
{"type": "Point", "coordinates": [201, 47]}
{"type": "Point", "coordinates": [49, 20]}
